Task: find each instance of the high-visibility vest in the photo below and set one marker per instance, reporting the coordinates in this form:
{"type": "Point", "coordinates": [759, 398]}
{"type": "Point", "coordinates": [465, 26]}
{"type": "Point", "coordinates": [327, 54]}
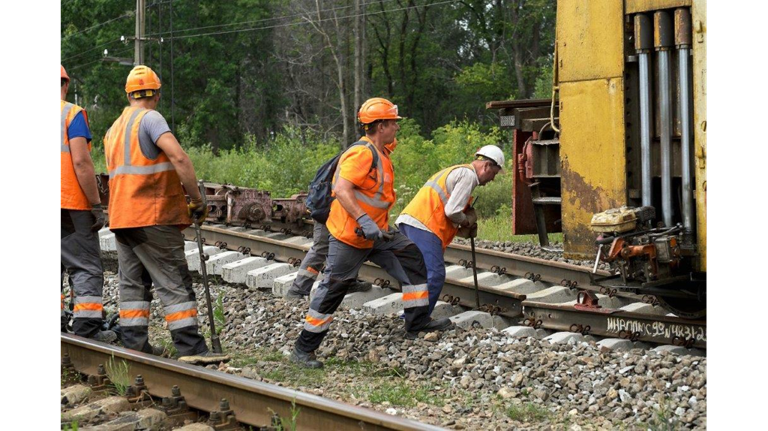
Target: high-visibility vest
{"type": "Point", "coordinates": [428, 206]}
{"type": "Point", "coordinates": [71, 195]}
{"type": "Point", "coordinates": [142, 191]}
{"type": "Point", "coordinates": [375, 197]}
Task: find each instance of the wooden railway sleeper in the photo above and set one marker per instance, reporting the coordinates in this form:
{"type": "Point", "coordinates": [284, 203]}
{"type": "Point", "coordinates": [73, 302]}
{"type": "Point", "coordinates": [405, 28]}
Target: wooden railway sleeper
{"type": "Point", "coordinates": [579, 328]}
{"type": "Point", "coordinates": [224, 418]}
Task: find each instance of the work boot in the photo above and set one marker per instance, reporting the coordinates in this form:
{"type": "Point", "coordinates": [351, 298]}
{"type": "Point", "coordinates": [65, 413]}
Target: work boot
{"type": "Point", "coordinates": [359, 286]}
{"type": "Point", "coordinates": [105, 337]}
{"type": "Point", "coordinates": [304, 359]}
{"type": "Point", "coordinates": [158, 350]}
{"type": "Point", "coordinates": [205, 358]}
{"type": "Point", "coordinates": [433, 325]}
{"type": "Point", "coordinates": [294, 294]}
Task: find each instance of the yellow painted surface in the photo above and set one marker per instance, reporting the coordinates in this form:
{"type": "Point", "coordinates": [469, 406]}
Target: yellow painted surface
{"type": "Point", "coordinates": [589, 39]}
{"type": "Point", "coordinates": [592, 156]}
{"type": "Point", "coordinates": [634, 6]}
{"type": "Point", "coordinates": [699, 18]}
{"type": "Point", "coordinates": [592, 150]}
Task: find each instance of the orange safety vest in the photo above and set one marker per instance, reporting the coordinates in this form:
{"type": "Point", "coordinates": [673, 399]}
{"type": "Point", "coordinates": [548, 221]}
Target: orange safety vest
{"type": "Point", "coordinates": [375, 197]}
{"type": "Point", "coordinates": [72, 196]}
{"type": "Point", "coordinates": [428, 206]}
{"type": "Point", "coordinates": [142, 192]}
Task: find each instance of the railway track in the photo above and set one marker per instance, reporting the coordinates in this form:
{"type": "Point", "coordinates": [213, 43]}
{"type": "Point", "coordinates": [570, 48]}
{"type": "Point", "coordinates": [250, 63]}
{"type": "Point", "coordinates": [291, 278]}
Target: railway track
{"type": "Point", "coordinates": [514, 290]}
{"type": "Point", "coordinates": [247, 402]}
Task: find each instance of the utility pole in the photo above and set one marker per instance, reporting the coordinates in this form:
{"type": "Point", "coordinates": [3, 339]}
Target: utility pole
{"type": "Point", "coordinates": [358, 97]}
{"type": "Point", "coordinates": [138, 43]}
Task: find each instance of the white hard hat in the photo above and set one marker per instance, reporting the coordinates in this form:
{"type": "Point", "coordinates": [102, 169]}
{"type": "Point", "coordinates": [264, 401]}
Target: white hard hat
{"type": "Point", "coordinates": [492, 152]}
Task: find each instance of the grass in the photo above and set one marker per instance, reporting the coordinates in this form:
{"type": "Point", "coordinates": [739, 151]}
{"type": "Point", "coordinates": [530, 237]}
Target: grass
{"type": "Point", "coordinates": [287, 424]}
{"type": "Point", "coordinates": [68, 376]}
{"type": "Point", "coordinates": [386, 384]}
{"type": "Point", "coordinates": [240, 360]}
{"type": "Point", "coordinates": [168, 345]}
{"type": "Point", "coordinates": [663, 419]}
{"type": "Point", "coordinates": [295, 376]}
{"type": "Point", "coordinates": [218, 313]}
{"type": "Point", "coordinates": [528, 412]}
{"type": "Point", "coordinates": [499, 228]}
{"type": "Point", "coordinates": [73, 426]}
{"type": "Point", "coordinates": [119, 375]}
{"type": "Point", "coordinates": [398, 392]}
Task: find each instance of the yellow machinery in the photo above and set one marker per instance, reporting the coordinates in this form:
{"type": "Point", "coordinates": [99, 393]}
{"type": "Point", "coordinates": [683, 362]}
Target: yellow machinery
{"type": "Point", "coordinates": [627, 128]}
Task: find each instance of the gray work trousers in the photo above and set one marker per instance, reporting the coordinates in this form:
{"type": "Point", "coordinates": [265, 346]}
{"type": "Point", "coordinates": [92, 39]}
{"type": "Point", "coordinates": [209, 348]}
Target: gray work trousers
{"type": "Point", "coordinates": [155, 254]}
{"type": "Point", "coordinates": [313, 261]}
{"type": "Point", "coordinates": [80, 256]}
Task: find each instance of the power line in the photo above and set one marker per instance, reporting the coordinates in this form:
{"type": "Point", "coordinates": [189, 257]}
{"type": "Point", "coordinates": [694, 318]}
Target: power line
{"type": "Point", "coordinates": [172, 38]}
{"type": "Point", "coordinates": [117, 54]}
{"type": "Point", "coordinates": [125, 15]}
{"type": "Point", "coordinates": [270, 19]}
{"type": "Point", "coordinates": [89, 50]}
{"type": "Point", "coordinates": [308, 22]}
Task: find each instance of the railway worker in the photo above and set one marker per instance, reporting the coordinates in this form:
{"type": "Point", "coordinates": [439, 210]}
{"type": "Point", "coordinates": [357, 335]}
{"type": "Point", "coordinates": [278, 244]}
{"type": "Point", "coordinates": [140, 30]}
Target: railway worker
{"type": "Point", "coordinates": [148, 210]}
{"type": "Point", "coordinates": [315, 259]}
{"type": "Point", "coordinates": [440, 210]}
{"type": "Point", "coordinates": [81, 218]}
{"type": "Point", "coordinates": [359, 231]}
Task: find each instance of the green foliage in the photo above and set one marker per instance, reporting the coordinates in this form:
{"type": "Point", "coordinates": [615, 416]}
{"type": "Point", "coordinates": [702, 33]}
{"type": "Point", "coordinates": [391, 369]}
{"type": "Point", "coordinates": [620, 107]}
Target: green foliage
{"type": "Point", "coordinates": [218, 312]}
{"type": "Point", "coordinates": [528, 412]}
{"type": "Point", "coordinates": [118, 374]}
{"type": "Point", "coordinates": [259, 105]}
{"type": "Point", "coordinates": [72, 426]}
{"type": "Point", "coordinates": [288, 424]}
{"type": "Point", "coordinates": [251, 67]}
{"type": "Point", "coordinates": [417, 159]}
{"type": "Point", "coordinates": [284, 165]}
{"type": "Point", "coordinates": [399, 392]}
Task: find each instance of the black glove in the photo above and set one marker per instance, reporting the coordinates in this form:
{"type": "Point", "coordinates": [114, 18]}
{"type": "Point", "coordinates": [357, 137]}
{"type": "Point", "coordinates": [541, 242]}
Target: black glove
{"type": "Point", "coordinates": [197, 211]}
{"type": "Point", "coordinates": [467, 231]}
{"type": "Point", "coordinates": [101, 217]}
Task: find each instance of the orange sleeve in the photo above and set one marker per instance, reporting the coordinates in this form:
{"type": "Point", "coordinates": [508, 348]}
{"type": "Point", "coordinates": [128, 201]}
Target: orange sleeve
{"type": "Point", "coordinates": [355, 165]}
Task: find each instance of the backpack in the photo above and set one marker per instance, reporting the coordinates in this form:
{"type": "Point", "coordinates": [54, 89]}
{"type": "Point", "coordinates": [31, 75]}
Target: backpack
{"type": "Point", "coordinates": [319, 197]}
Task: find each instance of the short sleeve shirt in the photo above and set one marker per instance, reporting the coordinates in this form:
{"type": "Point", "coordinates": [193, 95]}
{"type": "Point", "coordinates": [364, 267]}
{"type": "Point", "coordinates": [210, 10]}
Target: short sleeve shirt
{"type": "Point", "coordinates": [78, 128]}
{"type": "Point", "coordinates": [152, 126]}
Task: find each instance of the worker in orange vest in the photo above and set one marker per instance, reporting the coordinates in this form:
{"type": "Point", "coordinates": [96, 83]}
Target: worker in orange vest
{"type": "Point", "coordinates": [81, 219]}
{"type": "Point", "coordinates": [148, 211]}
{"type": "Point", "coordinates": [440, 210]}
{"type": "Point", "coordinates": [359, 230]}
{"type": "Point", "coordinates": [314, 260]}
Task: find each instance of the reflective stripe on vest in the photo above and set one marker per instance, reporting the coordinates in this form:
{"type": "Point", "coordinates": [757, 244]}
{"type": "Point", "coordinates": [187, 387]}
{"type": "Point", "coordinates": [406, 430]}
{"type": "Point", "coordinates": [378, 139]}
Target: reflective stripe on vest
{"type": "Point", "coordinates": [134, 313]}
{"type": "Point", "coordinates": [181, 315]}
{"type": "Point", "coordinates": [376, 200]}
{"type": "Point", "coordinates": [88, 307]}
{"type": "Point", "coordinates": [71, 195]}
{"type": "Point", "coordinates": [63, 147]}
{"type": "Point", "coordinates": [428, 206]}
{"type": "Point", "coordinates": [143, 191]}
{"type": "Point", "coordinates": [317, 322]}
{"type": "Point", "coordinates": [416, 295]}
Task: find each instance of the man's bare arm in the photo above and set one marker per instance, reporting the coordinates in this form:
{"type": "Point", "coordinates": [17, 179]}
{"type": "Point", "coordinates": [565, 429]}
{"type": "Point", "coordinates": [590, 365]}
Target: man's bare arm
{"type": "Point", "coordinates": [81, 161]}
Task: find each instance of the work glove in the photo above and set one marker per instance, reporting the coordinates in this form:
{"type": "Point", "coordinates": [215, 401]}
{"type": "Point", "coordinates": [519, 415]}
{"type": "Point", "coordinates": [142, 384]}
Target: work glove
{"type": "Point", "coordinates": [101, 217]}
{"type": "Point", "coordinates": [369, 228]}
{"type": "Point", "coordinates": [471, 216]}
{"type": "Point", "coordinates": [467, 231]}
{"type": "Point", "coordinates": [197, 211]}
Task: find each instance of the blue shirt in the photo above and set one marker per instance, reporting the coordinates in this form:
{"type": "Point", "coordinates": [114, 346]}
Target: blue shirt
{"type": "Point", "coordinates": [78, 128]}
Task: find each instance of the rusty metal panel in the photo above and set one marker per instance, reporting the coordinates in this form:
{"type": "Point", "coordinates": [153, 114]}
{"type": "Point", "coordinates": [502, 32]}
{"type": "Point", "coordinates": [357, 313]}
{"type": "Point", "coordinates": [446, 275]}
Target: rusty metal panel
{"type": "Point", "coordinates": [592, 153]}
{"type": "Point", "coordinates": [523, 221]}
{"type": "Point", "coordinates": [699, 18]}
{"type": "Point", "coordinates": [634, 6]}
{"type": "Point", "coordinates": [590, 39]}
{"type": "Point", "coordinates": [523, 217]}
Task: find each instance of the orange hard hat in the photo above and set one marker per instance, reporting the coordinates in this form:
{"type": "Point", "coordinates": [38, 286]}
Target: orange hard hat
{"type": "Point", "coordinates": [142, 78]}
{"type": "Point", "coordinates": [377, 109]}
{"type": "Point", "coordinates": [64, 74]}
